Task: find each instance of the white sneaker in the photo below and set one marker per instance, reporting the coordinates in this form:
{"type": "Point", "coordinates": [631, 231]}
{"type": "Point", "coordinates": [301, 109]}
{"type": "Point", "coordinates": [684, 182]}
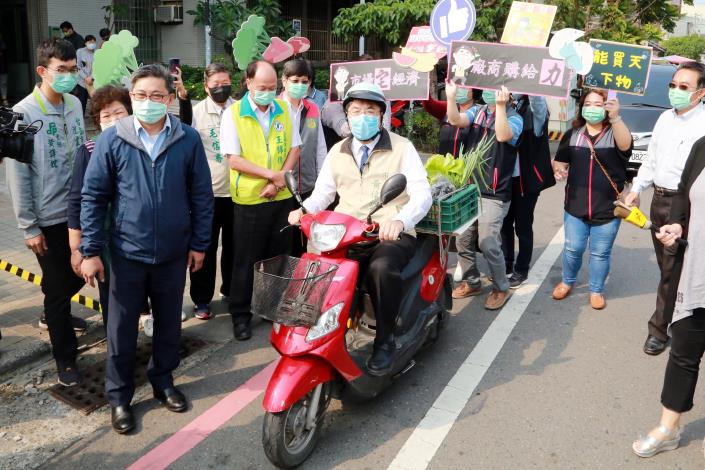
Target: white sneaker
{"type": "Point", "coordinates": [147, 322]}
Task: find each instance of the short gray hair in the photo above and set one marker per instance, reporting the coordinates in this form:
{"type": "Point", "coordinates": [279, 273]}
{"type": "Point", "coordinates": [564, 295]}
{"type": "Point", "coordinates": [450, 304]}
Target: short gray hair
{"type": "Point", "coordinates": [154, 70]}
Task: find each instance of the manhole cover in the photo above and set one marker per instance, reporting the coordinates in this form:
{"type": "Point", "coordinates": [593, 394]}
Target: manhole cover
{"type": "Point", "coordinates": [90, 394]}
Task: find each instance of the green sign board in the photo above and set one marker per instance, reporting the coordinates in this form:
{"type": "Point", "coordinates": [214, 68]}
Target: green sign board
{"type": "Point", "coordinates": [620, 67]}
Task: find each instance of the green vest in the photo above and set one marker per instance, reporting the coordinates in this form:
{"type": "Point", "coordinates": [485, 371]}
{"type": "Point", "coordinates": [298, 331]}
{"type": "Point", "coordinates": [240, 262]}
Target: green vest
{"type": "Point", "coordinates": [270, 153]}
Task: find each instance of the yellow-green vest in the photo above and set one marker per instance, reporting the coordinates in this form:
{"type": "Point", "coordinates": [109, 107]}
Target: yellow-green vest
{"type": "Point", "coordinates": [271, 154]}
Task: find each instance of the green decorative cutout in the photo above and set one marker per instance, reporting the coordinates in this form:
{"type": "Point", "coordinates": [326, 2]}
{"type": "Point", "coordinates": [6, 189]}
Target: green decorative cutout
{"type": "Point", "coordinates": [115, 60]}
{"type": "Point", "coordinates": [250, 41]}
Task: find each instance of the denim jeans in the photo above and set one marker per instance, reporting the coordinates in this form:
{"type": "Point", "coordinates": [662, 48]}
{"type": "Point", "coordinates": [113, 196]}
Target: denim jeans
{"type": "Point", "coordinates": [601, 237]}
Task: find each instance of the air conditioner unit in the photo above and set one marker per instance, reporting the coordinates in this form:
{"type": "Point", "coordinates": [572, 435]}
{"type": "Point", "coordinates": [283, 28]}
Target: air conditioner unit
{"type": "Point", "coordinates": [169, 14]}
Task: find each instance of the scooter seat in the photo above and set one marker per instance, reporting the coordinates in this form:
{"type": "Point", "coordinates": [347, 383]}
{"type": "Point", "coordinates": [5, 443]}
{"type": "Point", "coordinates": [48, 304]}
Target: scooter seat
{"type": "Point", "coordinates": [425, 246]}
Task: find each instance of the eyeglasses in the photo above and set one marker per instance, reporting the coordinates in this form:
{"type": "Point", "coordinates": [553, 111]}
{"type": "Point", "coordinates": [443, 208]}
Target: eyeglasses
{"type": "Point", "coordinates": [681, 87]}
{"type": "Point", "coordinates": [155, 97]}
{"type": "Point", "coordinates": [72, 71]}
{"type": "Point", "coordinates": [366, 112]}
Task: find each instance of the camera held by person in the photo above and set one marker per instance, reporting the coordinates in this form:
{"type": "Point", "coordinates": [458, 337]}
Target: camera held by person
{"type": "Point", "coordinates": [16, 140]}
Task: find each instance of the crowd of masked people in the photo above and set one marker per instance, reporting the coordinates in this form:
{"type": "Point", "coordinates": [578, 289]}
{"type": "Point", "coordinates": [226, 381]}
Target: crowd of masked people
{"type": "Point", "coordinates": [155, 195]}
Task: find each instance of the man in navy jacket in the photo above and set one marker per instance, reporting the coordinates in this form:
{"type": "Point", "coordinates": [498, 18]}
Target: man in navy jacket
{"type": "Point", "coordinates": [152, 171]}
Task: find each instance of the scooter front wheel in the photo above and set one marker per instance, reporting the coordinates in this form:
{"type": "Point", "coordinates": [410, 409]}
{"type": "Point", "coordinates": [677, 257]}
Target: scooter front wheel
{"type": "Point", "coordinates": [290, 436]}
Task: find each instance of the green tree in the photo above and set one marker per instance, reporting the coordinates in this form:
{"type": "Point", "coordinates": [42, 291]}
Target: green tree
{"type": "Point", "coordinates": [688, 46]}
{"type": "Point", "coordinates": [392, 20]}
{"type": "Point", "coordinates": [228, 15]}
{"type": "Point", "coordinates": [631, 21]}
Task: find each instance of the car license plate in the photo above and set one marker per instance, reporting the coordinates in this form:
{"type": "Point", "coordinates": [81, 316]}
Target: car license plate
{"type": "Point", "coordinates": [638, 156]}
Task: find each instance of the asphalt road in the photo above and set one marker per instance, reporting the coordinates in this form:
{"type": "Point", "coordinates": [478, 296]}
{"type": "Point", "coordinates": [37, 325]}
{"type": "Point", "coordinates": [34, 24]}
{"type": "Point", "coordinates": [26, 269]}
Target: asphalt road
{"type": "Point", "coordinates": [570, 388]}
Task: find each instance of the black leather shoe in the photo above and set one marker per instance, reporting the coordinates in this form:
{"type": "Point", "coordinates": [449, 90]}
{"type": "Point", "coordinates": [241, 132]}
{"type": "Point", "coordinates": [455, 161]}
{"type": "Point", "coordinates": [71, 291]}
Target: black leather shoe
{"type": "Point", "coordinates": [242, 331]}
{"type": "Point", "coordinates": [172, 398]}
{"type": "Point", "coordinates": [654, 346]}
{"type": "Point", "coordinates": [382, 359]}
{"type": "Point", "coordinates": [122, 419]}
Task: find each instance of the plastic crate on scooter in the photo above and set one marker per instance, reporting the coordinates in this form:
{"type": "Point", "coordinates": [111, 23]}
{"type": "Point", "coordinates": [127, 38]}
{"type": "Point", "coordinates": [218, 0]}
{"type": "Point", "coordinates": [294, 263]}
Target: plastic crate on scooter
{"type": "Point", "coordinates": [452, 210]}
{"type": "Point", "coordinates": [291, 290]}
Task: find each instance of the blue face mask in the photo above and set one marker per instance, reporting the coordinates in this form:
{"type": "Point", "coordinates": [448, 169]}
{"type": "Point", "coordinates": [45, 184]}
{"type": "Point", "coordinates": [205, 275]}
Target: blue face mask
{"type": "Point", "coordinates": [364, 127]}
{"type": "Point", "coordinates": [63, 82]}
{"type": "Point", "coordinates": [489, 97]}
{"type": "Point", "coordinates": [461, 96]}
{"type": "Point", "coordinates": [264, 98]}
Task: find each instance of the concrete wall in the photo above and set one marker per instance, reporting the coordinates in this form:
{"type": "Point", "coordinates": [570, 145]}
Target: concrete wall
{"type": "Point", "coordinates": [186, 41]}
{"type": "Point", "coordinates": [86, 16]}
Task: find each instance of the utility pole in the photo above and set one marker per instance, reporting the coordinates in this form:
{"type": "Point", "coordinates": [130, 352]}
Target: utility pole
{"type": "Point", "coordinates": [362, 38]}
{"type": "Point", "coordinates": [207, 11]}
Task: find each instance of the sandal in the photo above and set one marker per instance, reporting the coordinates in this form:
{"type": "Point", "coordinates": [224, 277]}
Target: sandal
{"type": "Point", "coordinates": [649, 446]}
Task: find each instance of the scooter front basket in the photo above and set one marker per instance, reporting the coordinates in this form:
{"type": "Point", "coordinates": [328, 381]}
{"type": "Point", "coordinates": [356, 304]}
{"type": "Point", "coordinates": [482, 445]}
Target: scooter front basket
{"type": "Point", "coordinates": [291, 290]}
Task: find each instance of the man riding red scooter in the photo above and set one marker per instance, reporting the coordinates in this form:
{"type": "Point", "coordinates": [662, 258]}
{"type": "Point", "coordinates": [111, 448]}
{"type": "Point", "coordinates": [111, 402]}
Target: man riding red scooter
{"type": "Point", "coordinates": [356, 169]}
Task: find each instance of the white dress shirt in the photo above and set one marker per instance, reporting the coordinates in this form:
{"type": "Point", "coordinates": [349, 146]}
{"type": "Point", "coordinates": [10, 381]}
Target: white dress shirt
{"type": "Point", "coordinates": [229, 140]}
{"type": "Point", "coordinates": [152, 143]}
{"type": "Point", "coordinates": [417, 186]}
{"type": "Point", "coordinates": [670, 145]}
{"type": "Point", "coordinates": [321, 149]}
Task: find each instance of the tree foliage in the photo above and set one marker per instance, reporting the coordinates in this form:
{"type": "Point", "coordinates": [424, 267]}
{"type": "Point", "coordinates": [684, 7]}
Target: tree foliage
{"type": "Point", "coordinates": [630, 21]}
{"type": "Point", "coordinates": [688, 46]}
{"type": "Point", "coordinates": [227, 16]}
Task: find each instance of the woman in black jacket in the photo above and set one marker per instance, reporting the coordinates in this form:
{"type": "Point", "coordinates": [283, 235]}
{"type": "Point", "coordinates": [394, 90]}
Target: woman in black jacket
{"type": "Point", "coordinates": [687, 328]}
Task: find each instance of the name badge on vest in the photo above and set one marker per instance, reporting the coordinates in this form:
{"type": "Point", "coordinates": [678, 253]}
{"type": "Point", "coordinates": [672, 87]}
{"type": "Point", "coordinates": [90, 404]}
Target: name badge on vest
{"type": "Point", "coordinates": [278, 126]}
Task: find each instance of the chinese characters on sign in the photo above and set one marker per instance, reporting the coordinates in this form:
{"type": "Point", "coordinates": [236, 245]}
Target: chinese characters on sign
{"type": "Point", "coordinates": [397, 82]}
{"type": "Point", "coordinates": [620, 67]}
{"type": "Point", "coordinates": [528, 24]}
{"type": "Point", "coordinates": [421, 40]}
{"type": "Point", "coordinates": [521, 69]}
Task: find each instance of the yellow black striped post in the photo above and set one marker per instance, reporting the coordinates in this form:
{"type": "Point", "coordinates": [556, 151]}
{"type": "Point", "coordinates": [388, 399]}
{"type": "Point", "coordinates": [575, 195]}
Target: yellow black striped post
{"type": "Point", "coordinates": [37, 280]}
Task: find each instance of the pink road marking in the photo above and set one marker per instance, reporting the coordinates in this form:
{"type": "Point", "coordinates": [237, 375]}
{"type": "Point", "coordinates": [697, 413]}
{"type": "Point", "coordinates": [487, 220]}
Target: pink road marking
{"type": "Point", "coordinates": [197, 430]}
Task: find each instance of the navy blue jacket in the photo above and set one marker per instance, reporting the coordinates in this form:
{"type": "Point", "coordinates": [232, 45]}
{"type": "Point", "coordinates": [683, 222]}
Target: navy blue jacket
{"type": "Point", "coordinates": [160, 209]}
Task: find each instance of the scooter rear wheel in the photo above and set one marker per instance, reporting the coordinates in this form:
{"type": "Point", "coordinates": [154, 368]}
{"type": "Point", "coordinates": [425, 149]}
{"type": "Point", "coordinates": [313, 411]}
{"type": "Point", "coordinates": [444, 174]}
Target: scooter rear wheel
{"type": "Point", "coordinates": [287, 443]}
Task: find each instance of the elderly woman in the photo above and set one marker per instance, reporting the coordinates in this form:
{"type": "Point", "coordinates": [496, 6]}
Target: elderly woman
{"type": "Point", "coordinates": [110, 103]}
{"type": "Point", "coordinates": [596, 151]}
{"type": "Point", "coordinates": [687, 327]}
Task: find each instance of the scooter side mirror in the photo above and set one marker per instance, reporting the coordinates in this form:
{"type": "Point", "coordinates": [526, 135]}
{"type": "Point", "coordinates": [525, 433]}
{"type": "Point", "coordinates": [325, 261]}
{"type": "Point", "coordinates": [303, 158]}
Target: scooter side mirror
{"type": "Point", "coordinates": [391, 189]}
{"type": "Point", "coordinates": [293, 187]}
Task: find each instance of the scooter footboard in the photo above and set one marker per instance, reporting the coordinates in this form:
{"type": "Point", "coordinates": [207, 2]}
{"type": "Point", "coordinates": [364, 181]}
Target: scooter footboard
{"type": "Point", "coordinates": [293, 378]}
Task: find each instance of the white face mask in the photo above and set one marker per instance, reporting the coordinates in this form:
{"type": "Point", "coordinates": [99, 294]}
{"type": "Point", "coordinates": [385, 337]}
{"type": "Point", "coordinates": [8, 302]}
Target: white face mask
{"type": "Point", "coordinates": [107, 125]}
{"type": "Point", "coordinates": [91, 46]}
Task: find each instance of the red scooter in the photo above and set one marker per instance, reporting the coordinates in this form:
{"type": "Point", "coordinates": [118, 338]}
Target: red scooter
{"type": "Point", "coordinates": [326, 356]}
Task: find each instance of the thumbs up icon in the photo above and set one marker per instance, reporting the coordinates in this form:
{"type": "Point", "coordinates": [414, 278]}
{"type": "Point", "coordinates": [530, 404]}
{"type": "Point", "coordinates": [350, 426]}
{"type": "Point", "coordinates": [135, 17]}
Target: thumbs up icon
{"type": "Point", "coordinates": [456, 19]}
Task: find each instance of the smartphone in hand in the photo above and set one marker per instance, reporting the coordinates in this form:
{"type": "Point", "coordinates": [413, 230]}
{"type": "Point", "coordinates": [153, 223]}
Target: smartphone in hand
{"type": "Point", "coordinates": [174, 63]}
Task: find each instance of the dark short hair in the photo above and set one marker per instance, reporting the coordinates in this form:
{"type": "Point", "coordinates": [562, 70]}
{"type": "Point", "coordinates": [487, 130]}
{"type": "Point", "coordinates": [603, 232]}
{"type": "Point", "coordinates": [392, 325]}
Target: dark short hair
{"type": "Point", "coordinates": [253, 66]}
{"type": "Point", "coordinates": [55, 48]}
{"type": "Point", "coordinates": [89, 37]}
{"type": "Point", "coordinates": [65, 25]}
{"type": "Point", "coordinates": [212, 69]}
{"type": "Point", "coordinates": [298, 68]}
{"type": "Point", "coordinates": [579, 120]}
{"type": "Point", "coordinates": [154, 70]}
{"type": "Point", "coordinates": [104, 33]}
{"type": "Point", "coordinates": [107, 94]}
{"type": "Point", "coordinates": [696, 67]}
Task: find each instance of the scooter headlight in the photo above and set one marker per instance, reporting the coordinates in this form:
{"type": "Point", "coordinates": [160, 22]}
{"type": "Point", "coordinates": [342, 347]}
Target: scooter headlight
{"type": "Point", "coordinates": [326, 237]}
{"type": "Point", "coordinates": [327, 323]}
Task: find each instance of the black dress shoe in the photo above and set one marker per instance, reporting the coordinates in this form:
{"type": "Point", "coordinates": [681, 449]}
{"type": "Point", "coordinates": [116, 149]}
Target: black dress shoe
{"type": "Point", "coordinates": [122, 419]}
{"type": "Point", "coordinates": [654, 346]}
{"type": "Point", "coordinates": [382, 359]}
{"type": "Point", "coordinates": [242, 331]}
{"type": "Point", "coordinates": [172, 398]}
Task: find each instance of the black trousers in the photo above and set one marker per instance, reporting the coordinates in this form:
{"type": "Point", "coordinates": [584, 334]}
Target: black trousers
{"type": "Point", "coordinates": [59, 284]}
{"type": "Point", "coordinates": [666, 259]}
{"type": "Point", "coordinates": [298, 246]}
{"type": "Point", "coordinates": [130, 283]}
{"type": "Point", "coordinates": [82, 94]}
{"type": "Point", "coordinates": [382, 265]}
{"type": "Point", "coordinates": [256, 236]}
{"type": "Point", "coordinates": [519, 220]}
{"type": "Point", "coordinates": [203, 280]}
{"type": "Point", "coordinates": [687, 347]}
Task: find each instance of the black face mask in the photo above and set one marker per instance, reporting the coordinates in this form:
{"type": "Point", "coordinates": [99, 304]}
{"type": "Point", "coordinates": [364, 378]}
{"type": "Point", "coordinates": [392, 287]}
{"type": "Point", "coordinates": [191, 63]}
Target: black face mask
{"type": "Point", "coordinates": [220, 94]}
